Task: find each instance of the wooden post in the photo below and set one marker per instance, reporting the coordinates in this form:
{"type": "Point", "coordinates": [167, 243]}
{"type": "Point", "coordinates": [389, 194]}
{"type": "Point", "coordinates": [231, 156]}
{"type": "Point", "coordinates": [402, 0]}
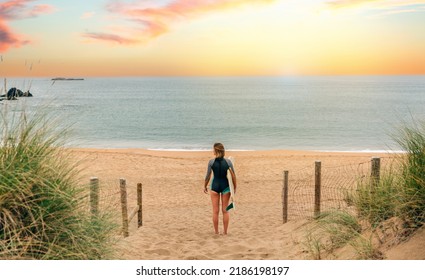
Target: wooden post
{"type": "Point", "coordinates": [139, 205]}
{"type": "Point", "coordinates": [124, 208]}
{"type": "Point", "coordinates": [285, 196]}
{"type": "Point", "coordinates": [375, 171]}
{"type": "Point", "coordinates": [94, 195]}
{"type": "Point", "coordinates": [317, 187]}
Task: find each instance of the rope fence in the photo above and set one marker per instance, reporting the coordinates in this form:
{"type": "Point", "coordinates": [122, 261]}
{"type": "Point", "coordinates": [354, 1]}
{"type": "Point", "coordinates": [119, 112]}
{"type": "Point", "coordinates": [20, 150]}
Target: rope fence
{"type": "Point", "coordinates": [306, 192]}
{"type": "Point", "coordinates": [310, 191]}
{"type": "Point", "coordinates": [108, 200]}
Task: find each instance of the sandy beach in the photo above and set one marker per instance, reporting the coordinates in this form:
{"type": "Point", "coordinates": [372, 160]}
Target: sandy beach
{"type": "Point", "coordinates": [177, 214]}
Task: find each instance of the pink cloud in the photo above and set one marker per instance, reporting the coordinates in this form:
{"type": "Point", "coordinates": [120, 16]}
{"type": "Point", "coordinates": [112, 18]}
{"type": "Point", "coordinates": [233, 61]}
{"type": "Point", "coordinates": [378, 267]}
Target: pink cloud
{"type": "Point", "coordinates": [109, 38]}
{"type": "Point", "coordinates": [7, 38]}
{"type": "Point", "coordinates": [20, 9]}
{"type": "Point", "coordinates": [40, 10]}
{"type": "Point", "coordinates": [16, 10]}
{"type": "Point", "coordinates": [152, 22]}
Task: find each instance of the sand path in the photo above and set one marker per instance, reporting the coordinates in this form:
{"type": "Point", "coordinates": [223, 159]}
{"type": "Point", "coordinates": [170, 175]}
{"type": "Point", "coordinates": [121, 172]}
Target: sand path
{"type": "Point", "coordinates": [177, 214]}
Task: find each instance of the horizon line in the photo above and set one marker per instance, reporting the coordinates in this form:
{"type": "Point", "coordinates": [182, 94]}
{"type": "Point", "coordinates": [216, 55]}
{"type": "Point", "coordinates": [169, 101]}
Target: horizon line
{"type": "Point", "coordinates": [211, 76]}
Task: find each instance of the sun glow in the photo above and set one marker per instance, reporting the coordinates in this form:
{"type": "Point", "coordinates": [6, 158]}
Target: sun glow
{"type": "Point", "coordinates": [262, 37]}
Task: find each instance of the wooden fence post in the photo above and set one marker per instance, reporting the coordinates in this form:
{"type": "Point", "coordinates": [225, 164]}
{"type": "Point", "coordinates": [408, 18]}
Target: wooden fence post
{"type": "Point", "coordinates": [285, 196]}
{"type": "Point", "coordinates": [139, 205]}
{"type": "Point", "coordinates": [94, 195]}
{"type": "Point", "coordinates": [375, 171]}
{"type": "Point", "coordinates": [123, 191]}
{"type": "Point", "coordinates": [317, 187]}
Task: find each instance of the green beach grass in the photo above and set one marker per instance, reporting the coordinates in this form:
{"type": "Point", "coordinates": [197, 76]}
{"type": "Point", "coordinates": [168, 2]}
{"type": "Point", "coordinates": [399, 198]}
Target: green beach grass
{"type": "Point", "coordinates": [43, 209]}
{"type": "Point", "coordinates": [398, 197]}
{"type": "Point", "coordinates": [412, 139]}
{"type": "Point", "coordinates": [401, 189]}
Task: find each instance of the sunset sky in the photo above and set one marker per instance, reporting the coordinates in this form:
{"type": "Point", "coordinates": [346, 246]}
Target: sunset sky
{"type": "Point", "coordinates": [205, 37]}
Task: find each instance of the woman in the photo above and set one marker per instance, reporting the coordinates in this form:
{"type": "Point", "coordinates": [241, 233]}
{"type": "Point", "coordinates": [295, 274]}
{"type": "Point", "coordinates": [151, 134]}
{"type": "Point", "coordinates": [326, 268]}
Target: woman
{"type": "Point", "coordinates": [220, 185]}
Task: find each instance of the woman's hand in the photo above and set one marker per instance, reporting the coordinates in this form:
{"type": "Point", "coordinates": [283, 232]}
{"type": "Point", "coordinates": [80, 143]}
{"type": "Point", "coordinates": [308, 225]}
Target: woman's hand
{"type": "Point", "coordinates": [207, 180]}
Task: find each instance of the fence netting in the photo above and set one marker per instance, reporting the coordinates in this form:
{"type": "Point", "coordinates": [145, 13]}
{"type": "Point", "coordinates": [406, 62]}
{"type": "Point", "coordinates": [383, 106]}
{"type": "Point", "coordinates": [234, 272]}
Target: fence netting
{"type": "Point", "coordinates": [110, 199]}
{"type": "Point", "coordinates": [338, 182]}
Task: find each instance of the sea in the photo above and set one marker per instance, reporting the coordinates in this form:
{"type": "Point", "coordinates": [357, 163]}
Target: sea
{"type": "Point", "coordinates": [319, 113]}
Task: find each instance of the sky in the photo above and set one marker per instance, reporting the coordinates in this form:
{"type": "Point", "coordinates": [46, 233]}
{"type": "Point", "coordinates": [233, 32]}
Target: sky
{"type": "Point", "coordinates": [80, 38]}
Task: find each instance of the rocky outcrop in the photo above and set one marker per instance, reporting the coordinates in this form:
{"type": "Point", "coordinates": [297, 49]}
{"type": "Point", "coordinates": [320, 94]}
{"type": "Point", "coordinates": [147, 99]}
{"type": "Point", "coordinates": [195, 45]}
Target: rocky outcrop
{"type": "Point", "coordinates": [13, 93]}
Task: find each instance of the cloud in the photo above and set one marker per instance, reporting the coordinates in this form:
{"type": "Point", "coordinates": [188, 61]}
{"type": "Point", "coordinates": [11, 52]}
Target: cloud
{"type": "Point", "coordinates": [379, 3]}
{"type": "Point", "coordinates": [87, 15]}
{"type": "Point", "coordinates": [21, 9]}
{"type": "Point", "coordinates": [109, 38]}
{"type": "Point", "coordinates": [152, 21]}
{"type": "Point", "coordinates": [398, 11]}
{"type": "Point", "coordinates": [8, 39]}
{"type": "Point", "coordinates": [348, 3]}
{"type": "Point", "coordinates": [16, 10]}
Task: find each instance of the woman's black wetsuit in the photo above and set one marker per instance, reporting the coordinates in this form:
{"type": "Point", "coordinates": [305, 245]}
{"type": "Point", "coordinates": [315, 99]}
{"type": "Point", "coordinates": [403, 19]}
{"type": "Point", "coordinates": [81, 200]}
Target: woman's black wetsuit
{"type": "Point", "coordinates": [219, 166]}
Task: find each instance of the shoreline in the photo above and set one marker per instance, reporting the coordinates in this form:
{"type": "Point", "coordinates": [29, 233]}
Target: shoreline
{"type": "Point", "coordinates": [279, 151]}
{"type": "Point", "coordinates": [196, 148]}
{"type": "Point", "coordinates": [289, 157]}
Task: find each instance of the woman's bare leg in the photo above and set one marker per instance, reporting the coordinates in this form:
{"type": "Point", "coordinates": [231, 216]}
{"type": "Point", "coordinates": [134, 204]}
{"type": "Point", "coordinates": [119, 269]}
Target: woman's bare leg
{"type": "Point", "coordinates": [226, 216]}
{"type": "Point", "coordinates": [215, 199]}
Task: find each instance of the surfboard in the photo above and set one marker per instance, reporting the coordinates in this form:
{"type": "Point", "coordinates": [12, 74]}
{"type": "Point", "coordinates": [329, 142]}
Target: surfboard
{"type": "Point", "coordinates": [232, 201]}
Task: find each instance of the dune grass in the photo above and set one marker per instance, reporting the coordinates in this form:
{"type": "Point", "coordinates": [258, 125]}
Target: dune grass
{"type": "Point", "coordinates": [399, 195]}
{"type": "Point", "coordinates": [43, 210]}
{"type": "Point", "coordinates": [330, 231]}
{"type": "Point", "coordinates": [379, 202]}
{"type": "Point", "coordinates": [341, 226]}
{"type": "Point", "coordinates": [401, 190]}
{"type": "Point", "coordinates": [412, 139]}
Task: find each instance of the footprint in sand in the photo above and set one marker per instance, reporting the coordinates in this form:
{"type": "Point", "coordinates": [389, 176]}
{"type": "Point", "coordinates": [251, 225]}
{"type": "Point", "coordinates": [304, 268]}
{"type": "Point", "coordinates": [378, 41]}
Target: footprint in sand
{"type": "Point", "coordinates": [237, 248]}
{"type": "Point", "coordinates": [198, 257]}
{"type": "Point", "coordinates": [249, 256]}
{"type": "Point", "coordinates": [231, 248]}
{"type": "Point", "coordinates": [161, 252]}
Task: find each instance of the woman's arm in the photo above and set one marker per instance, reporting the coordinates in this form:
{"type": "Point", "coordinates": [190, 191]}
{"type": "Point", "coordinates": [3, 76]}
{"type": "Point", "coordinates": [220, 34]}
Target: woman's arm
{"type": "Point", "coordinates": [206, 183]}
{"type": "Point", "coordinates": [233, 179]}
{"type": "Point", "coordinates": [208, 176]}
